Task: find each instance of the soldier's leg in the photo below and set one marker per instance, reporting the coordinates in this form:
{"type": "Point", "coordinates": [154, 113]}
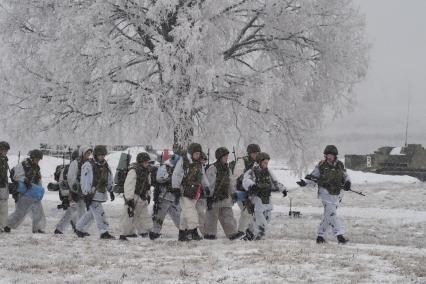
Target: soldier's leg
{"type": "Point", "coordinates": [68, 216]}
{"type": "Point", "coordinates": [174, 212]}
{"type": "Point", "coordinates": [99, 216]}
{"type": "Point", "coordinates": [84, 222]}
{"type": "Point", "coordinates": [228, 222]}
{"type": "Point", "coordinates": [260, 221]}
{"type": "Point", "coordinates": [188, 216]}
{"type": "Point", "coordinates": [22, 207]}
{"type": "Point", "coordinates": [245, 218]}
{"type": "Point", "coordinates": [126, 223]}
{"type": "Point", "coordinates": [4, 196]}
{"type": "Point", "coordinates": [201, 207]}
{"type": "Point", "coordinates": [158, 218]}
{"type": "Point", "coordinates": [327, 219]}
{"type": "Point", "coordinates": [38, 217]}
{"type": "Point", "coordinates": [212, 215]}
{"type": "Point", "coordinates": [143, 221]}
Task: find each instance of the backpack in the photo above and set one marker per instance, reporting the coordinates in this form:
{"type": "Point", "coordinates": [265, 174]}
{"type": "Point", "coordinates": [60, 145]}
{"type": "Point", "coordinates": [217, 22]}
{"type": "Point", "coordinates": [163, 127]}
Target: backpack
{"type": "Point", "coordinates": [121, 173]}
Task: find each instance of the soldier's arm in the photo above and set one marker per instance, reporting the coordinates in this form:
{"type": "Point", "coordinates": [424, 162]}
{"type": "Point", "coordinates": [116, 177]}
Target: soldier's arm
{"type": "Point", "coordinates": [312, 178]}
{"type": "Point", "coordinates": [19, 173]}
{"type": "Point", "coordinates": [130, 185]}
{"type": "Point", "coordinates": [72, 173]}
{"type": "Point", "coordinates": [211, 176]}
{"type": "Point", "coordinates": [278, 185]}
{"type": "Point", "coordinates": [162, 175]}
{"type": "Point", "coordinates": [178, 174]}
{"type": "Point", "coordinates": [248, 180]}
{"type": "Point", "coordinates": [110, 180]}
{"type": "Point", "coordinates": [86, 178]}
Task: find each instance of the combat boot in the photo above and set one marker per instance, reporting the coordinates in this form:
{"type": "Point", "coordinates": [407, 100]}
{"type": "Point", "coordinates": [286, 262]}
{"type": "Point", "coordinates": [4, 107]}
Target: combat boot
{"type": "Point", "coordinates": [153, 235]}
{"type": "Point", "coordinates": [237, 236]}
{"type": "Point", "coordinates": [210, 237]}
{"type": "Point", "coordinates": [341, 239]}
{"type": "Point", "coordinates": [195, 236]}
{"type": "Point", "coordinates": [183, 236]}
{"type": "Point", "coordinates": [320, 240]}
{"type": "Point", "coordinates": [107, 236]}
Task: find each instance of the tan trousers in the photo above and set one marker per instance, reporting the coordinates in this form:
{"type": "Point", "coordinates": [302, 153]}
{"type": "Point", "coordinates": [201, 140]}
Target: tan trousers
{"type": "Point", "coordinates": [225, 215]}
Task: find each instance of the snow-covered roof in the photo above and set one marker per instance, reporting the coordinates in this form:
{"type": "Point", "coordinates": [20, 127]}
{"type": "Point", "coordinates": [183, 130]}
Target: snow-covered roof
{"type": "Point", "coordinates": [396, 151]}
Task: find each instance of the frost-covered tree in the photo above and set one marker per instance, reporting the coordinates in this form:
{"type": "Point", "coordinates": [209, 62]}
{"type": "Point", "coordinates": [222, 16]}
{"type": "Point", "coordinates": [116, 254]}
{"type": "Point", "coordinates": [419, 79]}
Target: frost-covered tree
{"type": "Point", "coordinates": [219, 70]}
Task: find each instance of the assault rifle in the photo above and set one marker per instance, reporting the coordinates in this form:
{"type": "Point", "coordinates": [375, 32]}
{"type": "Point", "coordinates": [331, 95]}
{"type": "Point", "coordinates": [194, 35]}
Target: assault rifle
{"type": "Point", "coordinates": [157, 190]}
{"type": "Point", "coordinates": [314, 179]}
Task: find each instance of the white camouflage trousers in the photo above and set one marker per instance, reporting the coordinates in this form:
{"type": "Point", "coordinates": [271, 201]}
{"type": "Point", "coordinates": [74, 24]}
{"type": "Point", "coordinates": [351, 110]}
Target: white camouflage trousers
{"type": "Point", "coordinates": [330, 220]}
{"type": "Point", "coordinates": [245, 218]}
{"type": "Point", "coordinates": [140, 223]}
{"type": "Point", "coordinates": [96, 213]}
{"type": "Point", "coordinates": [74, 212]}
{"type": "Point", "coordinates": [261, 217]}
{"type": "Point", "coordinates": [166, 207]}
{"type": "Point", "coordinates": [4, 196]}
{"type": "Point", "coordinates": [23, 206]}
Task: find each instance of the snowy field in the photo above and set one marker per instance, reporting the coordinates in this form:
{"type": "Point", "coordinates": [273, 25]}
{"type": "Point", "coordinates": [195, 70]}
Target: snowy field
{"type": "Point", "coordinates": [386, 231]}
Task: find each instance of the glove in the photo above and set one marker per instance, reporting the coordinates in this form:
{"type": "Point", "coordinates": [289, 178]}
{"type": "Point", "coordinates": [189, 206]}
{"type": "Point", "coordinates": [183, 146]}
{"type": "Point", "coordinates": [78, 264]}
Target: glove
{"type": "Point", "coordinates": [301, 183]}
{"type": "Point", "coordinates": [112, 196]}
{"type": "Point", "coordinates": [234, 197]}
{"type": "Point", "coordinates": [131, 203]}
{"type": "Point", "coordinates": [207, 191]}
{"type": "Point", "coordinates": [253, 189]}
{"type": "Point", "coordinates": [27, 182]}
{"type": "Point", "coordinates": [347, 186]}
{"type": "Point", "coordinates": [284, 193]}
{"type": "Point", "coordinates": [209, 203]}
{"type": "Point", "coordinates": [88, 201]}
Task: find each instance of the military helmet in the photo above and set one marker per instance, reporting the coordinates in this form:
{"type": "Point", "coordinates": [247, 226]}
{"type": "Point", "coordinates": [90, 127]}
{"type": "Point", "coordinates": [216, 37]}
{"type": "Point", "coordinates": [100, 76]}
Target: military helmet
{"type": "Point", "coordinates": [220, 152]}
{"type": "Point", "coordinates": [331, 149]}
{"type": "Point", "coordinates": [194, 147]}
{"type": "Point", "coordinates": [35, 154]}
{"type": "Point", "coordinates": [262, 156]}
{"type": "Point", "coordinates": [204, 156]}
{"type": "Point", "coordinates": [100, 150]}
{"type": "Point", "coordinates": [253, 148]}
{"type": "Point", "coordinates": [4, 145]}
{"type": "Point", "coordinates": [74, 154]}
{"type": "Point", "coordinates": [143, 157]}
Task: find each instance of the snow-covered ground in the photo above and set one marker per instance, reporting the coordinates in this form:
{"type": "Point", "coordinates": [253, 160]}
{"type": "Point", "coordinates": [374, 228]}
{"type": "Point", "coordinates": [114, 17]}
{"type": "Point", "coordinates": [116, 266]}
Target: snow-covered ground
{"type": "Point", "coordinates": [386, 231]}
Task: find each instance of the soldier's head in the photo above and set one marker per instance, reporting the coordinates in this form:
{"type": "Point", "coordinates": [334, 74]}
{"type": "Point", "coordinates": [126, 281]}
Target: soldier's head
{"type": "Point", "coordinates": [100, 152]}
{"type": "Point", "coordinates": [143, 159]}
{"type": "Point", "coordinates": [35, 155]}
{"type": "Point", "coordinates": [222, 155]}
{"type": "Point", "coordinates": [4, 148]}
{"type": "Point", "coordinates": [203, 158]}
{"type": "Point", "coordinates": [253, 150]}
{"type": "Point", "coordinates": [85, 152]}
{"type": "Point", "coordinates": [262, 159]}
{"type": "Point", "coordinates": [330, 153]}
{"type": "Point", "coordinates": [195, 149]}
{"type": "Point", "coordinates": [74, 155]}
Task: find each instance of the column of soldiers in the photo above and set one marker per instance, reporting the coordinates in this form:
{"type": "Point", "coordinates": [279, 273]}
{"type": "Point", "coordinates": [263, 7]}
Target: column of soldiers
{"type": "Point", "coordinates": [197, 196]}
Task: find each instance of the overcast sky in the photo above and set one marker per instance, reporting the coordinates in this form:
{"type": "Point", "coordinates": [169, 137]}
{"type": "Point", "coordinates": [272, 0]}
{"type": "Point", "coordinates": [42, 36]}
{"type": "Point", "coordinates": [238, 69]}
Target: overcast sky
{"type": "Point", "coordinates": [397, 31]}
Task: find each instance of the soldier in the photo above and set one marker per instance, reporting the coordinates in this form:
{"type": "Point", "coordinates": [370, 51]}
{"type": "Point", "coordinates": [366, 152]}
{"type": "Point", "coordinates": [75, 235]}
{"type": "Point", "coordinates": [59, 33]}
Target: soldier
{"type": "Point", "coordinates": [259, 182]}
{"type": "Point", "coordinates": [166, 198]}
{"type": "Point", "coordinates": [330, 176]}
{"type": "Point", "coordinates": [28, 177]}
{"type": "Point", "coordinates": [201, 204]}
{"type": "Point", "coordinates": [242, 166]}
{"type": "Point", "coordinates": [219, 178]}
{"type": "Point", "coordinates": [77, 205]}
{"type": "Point", "coordinates": [137, 198]}
{"type": "Point", "coordinates": [96, 181]}
{"type": "Point", "coordinates": [4, 183]}
{"type": "Point", "coordinates": [189, 177]}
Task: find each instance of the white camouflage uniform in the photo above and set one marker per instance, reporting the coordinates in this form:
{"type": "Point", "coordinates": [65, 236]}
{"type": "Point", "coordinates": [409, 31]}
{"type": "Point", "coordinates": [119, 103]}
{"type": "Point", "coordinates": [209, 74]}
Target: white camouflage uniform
{"type": "Point", "coordinates": [96, 211]}
{"type": "Point", "coordinates": [330, 203]}
{"type": "Point", "coordinates": [167, 203]}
